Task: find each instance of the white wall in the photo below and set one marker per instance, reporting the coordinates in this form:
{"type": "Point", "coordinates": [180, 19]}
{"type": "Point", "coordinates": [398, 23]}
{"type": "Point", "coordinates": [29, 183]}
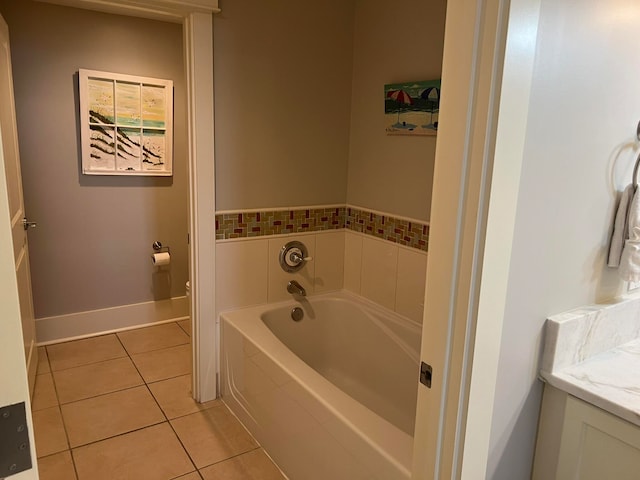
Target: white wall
{"type": "Point", "coordinates": [584, 108]}
{"type": "Point", "coordinates": [392, 43]}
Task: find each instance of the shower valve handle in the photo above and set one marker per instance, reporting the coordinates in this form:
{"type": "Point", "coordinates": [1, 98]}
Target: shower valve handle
{"type": "Point", "coordinates": [296, 257]}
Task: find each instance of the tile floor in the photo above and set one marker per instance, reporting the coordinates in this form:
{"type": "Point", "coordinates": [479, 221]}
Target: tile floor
{"type": "Point", "coordinates": [118, 407]}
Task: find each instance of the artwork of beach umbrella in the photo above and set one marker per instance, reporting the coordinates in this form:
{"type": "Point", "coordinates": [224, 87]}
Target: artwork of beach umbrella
{"type": "Point", "coordinates": [431, 94]}
{"type": "Point", "coordinates": [401, 97]}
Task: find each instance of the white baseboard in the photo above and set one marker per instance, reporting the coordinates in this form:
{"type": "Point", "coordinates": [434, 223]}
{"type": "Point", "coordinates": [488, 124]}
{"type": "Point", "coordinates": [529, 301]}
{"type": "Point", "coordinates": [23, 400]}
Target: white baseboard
{"type": "Point", "coordinates": [74, 326]}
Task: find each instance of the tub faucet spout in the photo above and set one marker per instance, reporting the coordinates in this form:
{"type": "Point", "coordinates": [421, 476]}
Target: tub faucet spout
{"type": "Point", "coordinates": [294, 288]}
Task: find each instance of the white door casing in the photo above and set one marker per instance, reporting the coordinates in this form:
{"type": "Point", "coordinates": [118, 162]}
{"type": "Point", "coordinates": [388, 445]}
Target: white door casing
{"type": "Point", "coordinates": [16, 205]}
{"type": "Point", "coordinates": [489, 52]}
{"type": "Point", "coordinates": [197, 21]}
{"type": "Point", "coordinates": [17, 349]}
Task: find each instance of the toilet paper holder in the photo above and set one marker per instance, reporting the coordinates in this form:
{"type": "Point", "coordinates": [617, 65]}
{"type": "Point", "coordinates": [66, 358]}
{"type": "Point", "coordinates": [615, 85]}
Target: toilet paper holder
{"type": "Point", "coordinates": [161, 256]}
{"type": "Point", "coordinates": [158, 248]}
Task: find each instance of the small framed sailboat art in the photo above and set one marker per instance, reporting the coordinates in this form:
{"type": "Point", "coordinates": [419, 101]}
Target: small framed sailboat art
{"type": "Point", "coordinates": [412, 108]}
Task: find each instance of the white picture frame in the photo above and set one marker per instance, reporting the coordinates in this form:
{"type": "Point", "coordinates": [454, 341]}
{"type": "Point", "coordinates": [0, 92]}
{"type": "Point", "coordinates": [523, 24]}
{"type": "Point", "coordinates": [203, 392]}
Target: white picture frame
{"type": "Point", "coordinates": [126, 124]}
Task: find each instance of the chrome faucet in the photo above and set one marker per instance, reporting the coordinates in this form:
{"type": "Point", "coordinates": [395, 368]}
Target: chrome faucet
{"type": "Point", "coordinates": [294, 288]}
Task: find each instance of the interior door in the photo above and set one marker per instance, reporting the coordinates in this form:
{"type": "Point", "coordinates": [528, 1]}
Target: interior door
{"type": "Point", "coordinates": [17, 214]}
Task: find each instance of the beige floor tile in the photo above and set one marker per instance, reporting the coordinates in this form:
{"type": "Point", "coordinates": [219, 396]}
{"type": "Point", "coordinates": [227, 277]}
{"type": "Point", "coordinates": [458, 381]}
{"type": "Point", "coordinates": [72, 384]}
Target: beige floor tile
{"type": "Point", "coordinates": [212, 436]}
{"type": "Point", "coordinates": [96, 379]}
{"type": "Point", "coordinates": [151, 453]}
{"type": "Point", "coordinates": [44, 393]}
{"type": "Point", "coordinates": [83, 352]}
{"type": "Point", "coordinates": [153, 338]}
{"type": "Point", "coordinates": [49, 432]}
{"type": "Point", "coordinates": [190, 476]}
{"type": "Point", "coordinates": [254, 465]}
{"type": "Point", "coordinates": [89, 381]}
{"type": "Point", "coordinates": [186, 325]}
{"type": "Point", "coordinates": [110, 415]}
{"type": "Point", "coordinates": [174, 397]}
{"type": "Point", "coordinates": [165, 363]}
{"type": "Point", "coordinates": [43, 361]}
{"type": "Point", "coordinates": [57, 467]}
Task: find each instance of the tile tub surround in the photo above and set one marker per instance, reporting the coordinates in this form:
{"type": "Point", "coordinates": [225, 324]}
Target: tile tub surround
{"type": "Point", "coordinates": [392, 275]}
{"type": "Point", "coordinates": [260, 223]}
{"type": "Point", "coordinates": [593, 353]}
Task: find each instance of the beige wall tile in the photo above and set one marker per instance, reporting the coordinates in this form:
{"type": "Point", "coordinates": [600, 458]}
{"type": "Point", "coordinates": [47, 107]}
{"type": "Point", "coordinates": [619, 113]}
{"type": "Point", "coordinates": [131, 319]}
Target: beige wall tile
{"type": "Point", "coordinates": [412, 276]}
{"type": "Point", "coordinates": [153, 452]}
{"type": "Point", "coordinates": [49, 432]}
{"type": "Point", "coordinates": [254, 465]}
{"type": "Point", "coordinates": [96, 379]}
{"type": "Point", "coordinates": [57, 467]}
{"type": "Point", "coordinates": [44, 393]}
{"type": "Point", "coordinates": [379, 270]}
{"type": "Point", "coordinates": [278, 278]}
{"type": "Point", "coordinates": [329, 261]}
{"type": "Point", "coordinates": [212, 436]}
{"type": "Point", "coordinates": [82, 352]}
{"type": "Point", "coordinates": [153, 338]}
{"type": "Point", "coordinates": [165, 363]}
{"type": "Point", "coordinates": [352, 262]}
{"type": "Point", "coordinates": [241, 273]}
{"type": "Point", "coordinates": [175, 398]}
{"type": "Point", "coordinates": [108, 415]}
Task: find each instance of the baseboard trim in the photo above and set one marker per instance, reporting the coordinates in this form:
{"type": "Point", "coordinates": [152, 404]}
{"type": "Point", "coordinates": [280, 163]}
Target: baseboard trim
{"type": "Point", "coordinates": [74, 326]}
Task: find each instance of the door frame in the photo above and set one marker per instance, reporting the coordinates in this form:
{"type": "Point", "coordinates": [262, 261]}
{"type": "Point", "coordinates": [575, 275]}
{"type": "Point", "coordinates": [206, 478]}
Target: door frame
{"type": "Point", "coordinates": [14, 367]}
{"type": "Point", "coordinates": [196, 17]}
{"type": "Point", "coordinates": [488, 63]}
{"type": "Point", "coordinates": [487, 72]}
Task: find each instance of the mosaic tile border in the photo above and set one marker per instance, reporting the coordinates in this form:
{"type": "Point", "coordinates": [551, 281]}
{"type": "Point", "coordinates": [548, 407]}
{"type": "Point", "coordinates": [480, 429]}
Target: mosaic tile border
{"type": "Point", "coordinates": [275, 222]}
{"type": "Point", "coordinates": [396, 230]}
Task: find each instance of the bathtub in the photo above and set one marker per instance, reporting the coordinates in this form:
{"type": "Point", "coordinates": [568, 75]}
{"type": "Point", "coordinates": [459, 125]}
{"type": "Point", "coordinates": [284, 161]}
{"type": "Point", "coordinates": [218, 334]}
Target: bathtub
{"type": "Point", "coordinates": [332, 396]}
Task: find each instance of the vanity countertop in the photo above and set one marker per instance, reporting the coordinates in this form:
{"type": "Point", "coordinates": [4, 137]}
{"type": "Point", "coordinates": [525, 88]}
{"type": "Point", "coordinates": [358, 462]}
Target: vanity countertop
{"type": "Point", "coordinates": [609, 380]}
{"type": "Point", "coordinates": [593, 353]}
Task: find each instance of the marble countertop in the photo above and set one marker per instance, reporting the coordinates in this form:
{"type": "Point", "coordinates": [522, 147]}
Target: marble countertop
{"type": "Point", "coordinates": [593, 353]}
{"type": "Point", "coordinates": [609, 380]}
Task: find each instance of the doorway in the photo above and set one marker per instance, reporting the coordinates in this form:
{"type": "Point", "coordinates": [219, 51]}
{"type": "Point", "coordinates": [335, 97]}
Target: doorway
{"type": "Point", "coordinates": [197, 177]}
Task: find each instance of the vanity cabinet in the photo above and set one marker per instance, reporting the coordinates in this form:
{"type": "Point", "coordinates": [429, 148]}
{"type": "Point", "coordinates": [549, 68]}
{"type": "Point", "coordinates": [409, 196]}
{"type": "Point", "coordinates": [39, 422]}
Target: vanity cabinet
{"type": "Point", "coordinates": [578, 441]}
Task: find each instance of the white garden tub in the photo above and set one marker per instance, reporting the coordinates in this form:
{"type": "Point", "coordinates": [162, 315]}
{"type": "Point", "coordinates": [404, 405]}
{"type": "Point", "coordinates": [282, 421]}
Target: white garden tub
{"type": "Point", "coordinates": [332, 396]}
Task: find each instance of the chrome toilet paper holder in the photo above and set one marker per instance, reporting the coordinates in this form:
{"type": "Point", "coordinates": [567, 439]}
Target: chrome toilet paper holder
{"type": "Point", "coordinates": [158, 248]}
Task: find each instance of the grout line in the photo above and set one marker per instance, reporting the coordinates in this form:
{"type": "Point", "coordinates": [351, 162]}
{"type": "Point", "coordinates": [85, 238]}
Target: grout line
{"type": "Point", "coordinates": [196, 471]}
{"type": "Point", "coordinates": [102, 394]}
{"type": "Point", "coordinates": [90, 363]}
{"type": "Point", "coordinates": [233, 456]}
{"type": "Point", "coordinates": [116, 436]}
{"type": "Point", "coordinates": [157, 349]}
{"type": "Point", "coordinates": [183, 329]}
{"type": "Point", "coordinates": [73, 462]}
{"type": "Point", "coordinates": [183, 446]}
{"type": "Point", "coordinates": [146, 384]}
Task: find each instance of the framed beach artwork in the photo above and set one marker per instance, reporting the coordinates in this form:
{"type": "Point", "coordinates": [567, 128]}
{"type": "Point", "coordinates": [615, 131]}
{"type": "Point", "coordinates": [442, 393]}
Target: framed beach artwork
{"type": "Point", "coordinates": [126, 124]}
{"type": "Point", "coordinates": [412, 108]}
